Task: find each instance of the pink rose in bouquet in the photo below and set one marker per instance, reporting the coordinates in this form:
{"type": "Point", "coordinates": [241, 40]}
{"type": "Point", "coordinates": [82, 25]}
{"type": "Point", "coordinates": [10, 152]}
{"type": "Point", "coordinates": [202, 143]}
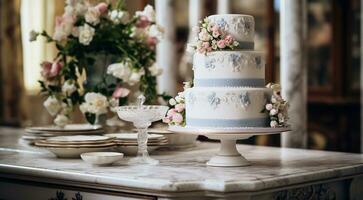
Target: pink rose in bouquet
{"type": "Point", "coordinates": [120, 92]}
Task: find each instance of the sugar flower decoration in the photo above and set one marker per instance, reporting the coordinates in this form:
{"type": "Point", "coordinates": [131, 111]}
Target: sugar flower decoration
{"type": "Point", "coordinates": [276, 107]}
{"type": "Point", "coordinates": [211, 37]}
{"type": "Point", "coordinates": [176, 114]}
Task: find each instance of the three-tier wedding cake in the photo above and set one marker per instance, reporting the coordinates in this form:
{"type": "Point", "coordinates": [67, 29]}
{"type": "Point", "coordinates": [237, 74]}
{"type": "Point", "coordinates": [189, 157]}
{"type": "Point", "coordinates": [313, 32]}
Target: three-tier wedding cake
{"type": "Point", "coordinates": [229, 83]}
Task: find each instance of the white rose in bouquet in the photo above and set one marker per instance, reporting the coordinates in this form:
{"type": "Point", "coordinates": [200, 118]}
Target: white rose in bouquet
{"type": "Point", "coordinates": [61, 120]}
{"type": "Point", "coordinates": [118, 17]}
{"type": "Point", "coordinates": [136, 76]}
{"type": "Point", "coordinates": [120, 70]}
{"type": "Point", "coordinates": [95, 103]}
{"type": "Point", "coordinates": [156, 31]}
{"type": "Point", "coordinates": [92, 15]}
{"type": "Point", "coordinates": [52, 105]}
{"type": "Point", "coordinates": [86, 34]}
{"type": "Point", "coordinates": [69, 87]}
{"type": "Point", "coordinates": [148, 12]}
{"type": "Point", "coordinates": [155, 70]}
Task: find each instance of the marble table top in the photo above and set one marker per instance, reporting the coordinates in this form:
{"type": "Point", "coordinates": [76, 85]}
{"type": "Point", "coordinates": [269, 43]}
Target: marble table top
{"type": "Point", "coordinates": [182, 171]}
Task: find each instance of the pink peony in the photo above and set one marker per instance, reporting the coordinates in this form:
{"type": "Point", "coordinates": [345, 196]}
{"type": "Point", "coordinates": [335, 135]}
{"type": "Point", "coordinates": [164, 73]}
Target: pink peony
{"type": "Point", "coordinates": [171, 112]}
{"type": "Point", "coordinates": [102, 7]}
{"type": "Point", "coordinates": [46, 66]}
{"type": "Point", "coordinates": [56, 68]}
{"type": "Point", "coordinates": [215, 28]}
{"type": "Point", "coordinates": [50, 70]}
{"type": "Point", "coordinates": [120, 92]}
{"type": "Point", "coordinates": [179, 107]}
{"type": "Point", "coordinates": [167, 120]}
{"type": "Point", "coordinates": [206, 45]}
{"type": "Point", "coordinates": [63, 27]}
{"type": "Point", "coordinates": [177, 118]}
{"type": "Point", "coordinates": [221, 44]}
{"type": "Point", "coordinates": [142, 22]}
{"type": "Point", "coordinates": [228, 39]}
{"type": "Point", "coordinates": [203, 35]}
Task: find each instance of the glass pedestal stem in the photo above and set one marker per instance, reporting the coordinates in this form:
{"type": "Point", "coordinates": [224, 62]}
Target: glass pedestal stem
{"type": "Point", "coordinates": [142, 139]}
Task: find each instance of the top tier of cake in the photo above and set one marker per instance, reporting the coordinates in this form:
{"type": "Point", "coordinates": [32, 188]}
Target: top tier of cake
{"type": "Point", "coordinates": [240, 27]}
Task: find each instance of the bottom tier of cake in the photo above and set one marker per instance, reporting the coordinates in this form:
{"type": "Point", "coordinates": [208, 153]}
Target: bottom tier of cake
{"type": "Point", "coordinates": [227, 107]}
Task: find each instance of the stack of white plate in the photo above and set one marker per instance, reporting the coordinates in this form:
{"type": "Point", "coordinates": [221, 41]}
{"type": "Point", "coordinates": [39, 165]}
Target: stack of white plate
{"type": "Point", "coordinates": [33, 134]}
{"type": "Point", "coordinates": [74, 145]}
{"type": "Point", "coordinates": [127, 142]}
{"type": "Point", "coordinates": [176, 140]}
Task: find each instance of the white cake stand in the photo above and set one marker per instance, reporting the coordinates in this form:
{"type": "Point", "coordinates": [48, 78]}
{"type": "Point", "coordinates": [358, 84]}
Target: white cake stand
{"type": "Point", "coordinates": [228, 156]}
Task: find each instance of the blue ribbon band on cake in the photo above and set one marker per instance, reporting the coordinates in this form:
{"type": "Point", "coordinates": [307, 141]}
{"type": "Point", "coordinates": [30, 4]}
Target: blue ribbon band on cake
{"type": "Point", "coordinates": [256, 122]}
{"type": "Point", "coordinates": [245, 45]}
{"type": "Point", "coordinates": [255, 82]}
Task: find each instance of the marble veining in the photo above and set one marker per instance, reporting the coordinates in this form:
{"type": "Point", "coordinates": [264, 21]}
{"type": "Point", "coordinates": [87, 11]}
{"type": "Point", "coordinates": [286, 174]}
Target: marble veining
{"type": "Point", "coordinates": [185, 170]}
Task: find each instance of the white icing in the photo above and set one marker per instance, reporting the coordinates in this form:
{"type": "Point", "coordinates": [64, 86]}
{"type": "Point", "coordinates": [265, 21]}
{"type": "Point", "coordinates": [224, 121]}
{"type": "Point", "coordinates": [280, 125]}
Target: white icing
{"type": "Point", "coordinates": [241, 27]}
{"type": "Point", "coordinates": [229, 65]}
{"type": "Point", "coordinates": [226, 102]}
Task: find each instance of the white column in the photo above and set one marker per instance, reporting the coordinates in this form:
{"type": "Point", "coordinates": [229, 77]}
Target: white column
{"type": "Point", "coordinates": [166, 54]}
{"type": "Point", "coordinates": [293, 70]}
{"type": "Point", "coordinates": [361, 75]}
{"type": "Point", "coordinates": [223, 6]}
{"type": "Point", "coordinates": [196, 13]}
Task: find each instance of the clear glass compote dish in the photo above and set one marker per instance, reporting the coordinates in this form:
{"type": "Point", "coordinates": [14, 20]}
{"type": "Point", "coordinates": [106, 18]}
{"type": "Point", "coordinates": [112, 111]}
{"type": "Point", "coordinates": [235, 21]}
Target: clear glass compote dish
{"type": "Point", "coordinates": [142, 116]}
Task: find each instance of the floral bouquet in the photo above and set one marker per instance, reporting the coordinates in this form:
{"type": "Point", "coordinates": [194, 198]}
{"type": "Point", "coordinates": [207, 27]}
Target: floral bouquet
{"type": "Point", "coordinates": [211, 37]}
{"type": "Point", "coordinates": [176, 114]}
{"type": "Point", "coordinates": [82, 34]}
{"type": "Point", "coordinates": [277, 107]}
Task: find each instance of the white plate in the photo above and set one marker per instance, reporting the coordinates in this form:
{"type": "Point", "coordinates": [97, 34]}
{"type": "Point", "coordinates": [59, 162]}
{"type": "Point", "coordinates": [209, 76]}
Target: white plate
{"type": "Point", "coordinates": [60, 133]}
{"type": "Point", "coordinates": [132, 150]}
{"type": "Point", "coordinates": [159, 130]}
{"type": "Point", "coordinates": [132, 136]}
{"type": "Point", "coordinates": [102, 158]}
{"type": "Point", "coordinates": [75, 152]}
{"type": "Point", "coordinates": [39, 144]}
{"type": "Point", "coordinates": [67, 128]}
{"type": "Point", "coordinates": [78, 138]}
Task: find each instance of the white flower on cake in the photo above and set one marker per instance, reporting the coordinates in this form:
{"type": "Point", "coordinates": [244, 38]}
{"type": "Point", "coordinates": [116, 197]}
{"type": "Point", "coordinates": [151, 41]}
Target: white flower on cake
{"type": "Point", "coordinates": [120, 70]}
{"type": "Point", "coordinates": [176, 114]}
{"type": "Point", "coordinates": [92, 16]}
{"type": "Point", "coordinates": [211, 37]}
{"type": "Point", "coordinates": [276, 107]}
{"type": "Point", "coordinates": [187, 85]}
{"type": "Point", "coordinates": [61, 120]}
{"type": "Point", "coordinates": [52, 105]}
{"type": "Point", "coordinates": [69, 87]}
{"type": "Point", "coordinates": [172, 102]}
{"type": "Point", "coordinates": [86, 33]}
{"type": "Point", "coordinates": [95, 103]}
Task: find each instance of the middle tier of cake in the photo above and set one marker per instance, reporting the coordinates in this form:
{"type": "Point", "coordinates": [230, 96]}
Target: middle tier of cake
{"type": "Point", "coordinates": [227, 106]}
{"type": "Point", "coordinates": [229, 69]}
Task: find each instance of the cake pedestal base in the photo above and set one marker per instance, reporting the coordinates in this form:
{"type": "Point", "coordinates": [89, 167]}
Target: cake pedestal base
{"type": "Point", "coordinates": [228, 155]}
